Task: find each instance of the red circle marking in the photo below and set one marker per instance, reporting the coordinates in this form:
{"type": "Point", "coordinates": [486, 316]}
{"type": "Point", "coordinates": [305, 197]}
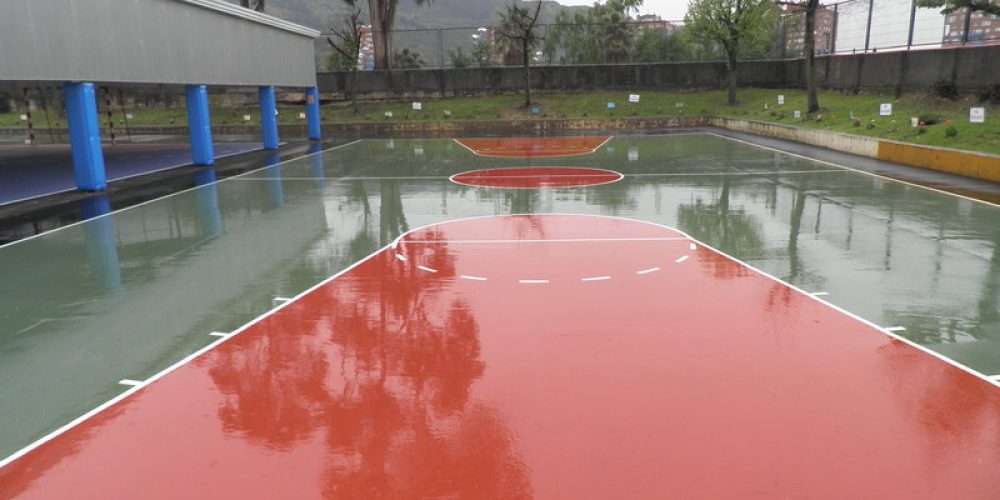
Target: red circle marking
{"type": "Point", "coordinates": [537, 177]}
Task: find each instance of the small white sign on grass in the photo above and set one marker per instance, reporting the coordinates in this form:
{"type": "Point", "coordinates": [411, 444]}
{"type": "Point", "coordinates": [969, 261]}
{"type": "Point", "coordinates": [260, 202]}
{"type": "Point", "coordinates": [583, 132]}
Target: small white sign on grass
{"type": "Point", "coordinates": [679, 105]}
{"type": "Point", "coordinates": [129, 116]}
{"type": "Point", "coordinates": [885, 109]}
{"type": "Point", "coordinates": [388, 114]}
{"type": "Point", "coordinates": [781, 100]}
{"type": "Point", "coordinates": [633, 98]}
{"type": "Point", "coordinates": [246, 118]}
{"type": "Point", "coordinates": [977, 115]}
{"type": "Point", "coordinates": [302, 116]}
{"type": "Point", "coordinates": [417, 106]}
{"type": "Point", "coordinates": [914, 121]}
{"type": "Point", "coordinates": [797, 114]}
{"type": "Point", "coordinates": [24, 118]}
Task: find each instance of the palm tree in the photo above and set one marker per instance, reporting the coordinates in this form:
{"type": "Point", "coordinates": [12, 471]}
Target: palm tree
{"type": "Point", "coordinates": [383, 17]}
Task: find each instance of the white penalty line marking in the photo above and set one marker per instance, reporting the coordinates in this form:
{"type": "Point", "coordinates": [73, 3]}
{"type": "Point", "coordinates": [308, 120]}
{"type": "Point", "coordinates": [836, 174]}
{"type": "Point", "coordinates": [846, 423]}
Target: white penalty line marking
{"type": "Point", "coordinates": [575, 152]}
{"type": "Point", "coordinates": [425, 268]}
{"type": "Point", "coordinates": [533, 282]}
{"type": "Point", "coordinates": [596, 278]}
{"type": "Point", "coordinates": [895, 329]}
{"type": "Point", "coordinates": [682, 259]}
{"type": "Point", "coordinates": [553, 240]}
{"type": "Point", "coordinates": [647, 271]}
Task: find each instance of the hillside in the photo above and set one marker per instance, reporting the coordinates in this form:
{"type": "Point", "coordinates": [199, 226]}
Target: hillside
{"type": "Point", "coordinates": [320, 14]}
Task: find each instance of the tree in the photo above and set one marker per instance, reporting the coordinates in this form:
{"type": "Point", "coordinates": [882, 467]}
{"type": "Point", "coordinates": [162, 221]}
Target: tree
{"type": "Point", "coordinates": [734, 25]}
{"type": "Point", "coordinates": [459, 59]}
{"type": "Point", "coordinates": [346, 43]}
{"type": "Point", "coordinates": [383, 17]}
{"type": "Point", "coordinates": [484, 53]}
{"type": "Point", "coordinates": [519, 27]}
{"type": "Point", "coordinates": [407, 59]}
{"type": "Point", "coordinates": [988, 7]}
{"type": "Point", "coordinates": [808, 8]}
{"type": "Point", "coordinates": [606, 33]}
{"type": "Point", "coordinates": [257, 5]}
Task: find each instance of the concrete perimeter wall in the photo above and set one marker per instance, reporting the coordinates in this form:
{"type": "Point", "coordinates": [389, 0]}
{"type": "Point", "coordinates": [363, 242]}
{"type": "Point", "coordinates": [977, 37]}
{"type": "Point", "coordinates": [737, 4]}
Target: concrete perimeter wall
{"type": "Point", "coordinates": [976, 165]}
{"type": "Point", "coordinates": [971, 68]}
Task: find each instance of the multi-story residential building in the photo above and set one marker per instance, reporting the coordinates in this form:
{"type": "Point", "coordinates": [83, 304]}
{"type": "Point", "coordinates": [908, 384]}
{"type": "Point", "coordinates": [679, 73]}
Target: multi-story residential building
{"type": "Point", "coordinates": [794, 17]}
{"type": "Point", "coordinates": [983, 29]}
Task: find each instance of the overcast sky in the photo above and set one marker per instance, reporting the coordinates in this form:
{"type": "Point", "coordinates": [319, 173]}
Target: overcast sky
{"type": "Point", "coordinates": [667, 9]}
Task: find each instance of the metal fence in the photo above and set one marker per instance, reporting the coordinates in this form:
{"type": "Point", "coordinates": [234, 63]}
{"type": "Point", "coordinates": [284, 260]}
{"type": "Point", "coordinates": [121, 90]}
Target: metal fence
{"type": "Point", "coordinates": [853, 26]}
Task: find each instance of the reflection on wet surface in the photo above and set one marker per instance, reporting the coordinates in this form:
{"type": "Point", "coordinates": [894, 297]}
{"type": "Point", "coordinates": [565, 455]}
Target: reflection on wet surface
{"type": "Point", "coordinates": [404, 379]}
{"type": "Point", "coordinates": [126, 295]}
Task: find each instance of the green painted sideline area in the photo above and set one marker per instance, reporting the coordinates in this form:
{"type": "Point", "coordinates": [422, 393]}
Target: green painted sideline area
{"type": "Point", "coordinates": [836, 114]}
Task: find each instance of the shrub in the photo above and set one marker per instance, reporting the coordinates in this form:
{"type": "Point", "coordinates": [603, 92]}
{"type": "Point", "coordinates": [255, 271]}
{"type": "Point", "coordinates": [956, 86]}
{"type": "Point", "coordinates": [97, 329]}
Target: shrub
{"type": "Point", "coordinates": [989, 93]}
{"type": "Point", "coordinates": [856, 121]}
{"type": "Point", "coordinates": [4, 102]}
{"type": "Point", "coordinates": [945, 89]}
{"type": "Point", "coordinates": [871, 125]}
{"type": "Point", "coordinates": [951, 131]}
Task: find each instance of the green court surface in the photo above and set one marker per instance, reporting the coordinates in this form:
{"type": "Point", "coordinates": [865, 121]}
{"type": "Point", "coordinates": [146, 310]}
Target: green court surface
{"type": "Point", "coordinates": [127, 295]}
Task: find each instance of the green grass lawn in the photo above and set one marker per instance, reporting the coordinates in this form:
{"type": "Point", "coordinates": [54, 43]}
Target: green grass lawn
{"type": "Point", "coordinates": [836, 113]}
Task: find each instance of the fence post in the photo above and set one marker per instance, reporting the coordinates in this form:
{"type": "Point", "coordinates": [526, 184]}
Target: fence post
{"type": "Point", "coordinates": [440, 49]}
{"type": "Point", "coordinates": [966, 25]}
{"type": "Point", "coordinates": [868, 28]}
{"type": "Point", "coordinates": [913, 20]}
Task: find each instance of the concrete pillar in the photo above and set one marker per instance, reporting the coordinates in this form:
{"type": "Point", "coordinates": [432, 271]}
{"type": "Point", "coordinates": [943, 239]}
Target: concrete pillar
{"type": "Point", "coordinates": [85, 136]}
{"type": "Point", "coordinates": [199, 125]}
{"type": "Point", "coordinates": [268, 118]}
{"type": "Point", "coordinates": [312, 113]}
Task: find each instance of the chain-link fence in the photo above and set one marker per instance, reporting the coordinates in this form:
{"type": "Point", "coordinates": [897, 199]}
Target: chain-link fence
{"type": "Point", "coordinates": [854, 26]}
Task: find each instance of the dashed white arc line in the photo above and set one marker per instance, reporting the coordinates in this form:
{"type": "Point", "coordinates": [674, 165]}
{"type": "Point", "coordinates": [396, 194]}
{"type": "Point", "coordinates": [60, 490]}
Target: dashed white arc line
{"type": "Point", "coordinates": [129, 382]}
{"type": "Point", "coordinates": [820, 294]}
{"type": "Point", "coordinates": [533, 282]}
{"type": "Point", "coordinates": [682, 258]}
{"type": "Point", "coordinates": [693, 246]}
{"type": "Point", "coordinates": [219, 334]}
{"type": "Point", "coordinates": [596, 278]}
{"type": "Point", "coordinates": [401, 257]}
{"type": "Point", "coordinates": [282, 299]}
{"type": "Point", "coordinates": [647, 271]}
{"type": "Point", "coordinates": [895, 329]}
{"type": "Point", "coordinates": [473, 278]}
{"type": "Point", "coordinates": [425, 268]}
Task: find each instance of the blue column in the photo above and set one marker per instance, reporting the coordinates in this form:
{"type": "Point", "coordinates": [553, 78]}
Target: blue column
{"type": "Point", "coordinates": [268, 120]}
{"type": "Point", "coordinates": [85, 136]}
{"type": "Point", "coordinates": [199, 125]}
{"type": "Point", "coordinates": [312, 113]}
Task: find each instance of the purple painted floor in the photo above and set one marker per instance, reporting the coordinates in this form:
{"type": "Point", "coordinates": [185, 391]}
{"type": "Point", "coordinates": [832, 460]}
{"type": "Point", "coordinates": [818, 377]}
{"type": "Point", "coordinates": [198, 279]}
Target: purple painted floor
{"type": "Point", "coordinates": [32, 171]}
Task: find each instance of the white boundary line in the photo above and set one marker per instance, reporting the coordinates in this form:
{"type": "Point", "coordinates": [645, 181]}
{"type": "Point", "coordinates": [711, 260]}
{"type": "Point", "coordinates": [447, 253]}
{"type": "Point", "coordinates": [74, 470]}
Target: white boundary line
{"type": "Point", "coordinates": [191, 357]}
{"type": "Point", "coordinates": [619, 174]}
{"type": "Point", "coordinates": [553, 240]}
{"type": "Point", "coordinates": [187, 359]}
{"type": "Point", "coordinates": [193, 188]}
{"type": "Point", "coordinates": [592, 151]}
{"type": "Point", "coordinates": [880, 176]}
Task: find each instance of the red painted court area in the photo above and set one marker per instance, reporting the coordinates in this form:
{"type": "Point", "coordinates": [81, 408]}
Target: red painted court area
{"type": "Point", "coordinates": [533, 147]}
{"type": "Point", "coordinates": [537, 177]}
{"type": "Point", "coordinates": [549, 356]}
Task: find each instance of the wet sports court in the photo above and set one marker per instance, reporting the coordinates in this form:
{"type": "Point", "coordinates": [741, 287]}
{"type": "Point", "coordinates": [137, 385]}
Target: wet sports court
{"type": "Point", "coordinates": [686, 315]}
